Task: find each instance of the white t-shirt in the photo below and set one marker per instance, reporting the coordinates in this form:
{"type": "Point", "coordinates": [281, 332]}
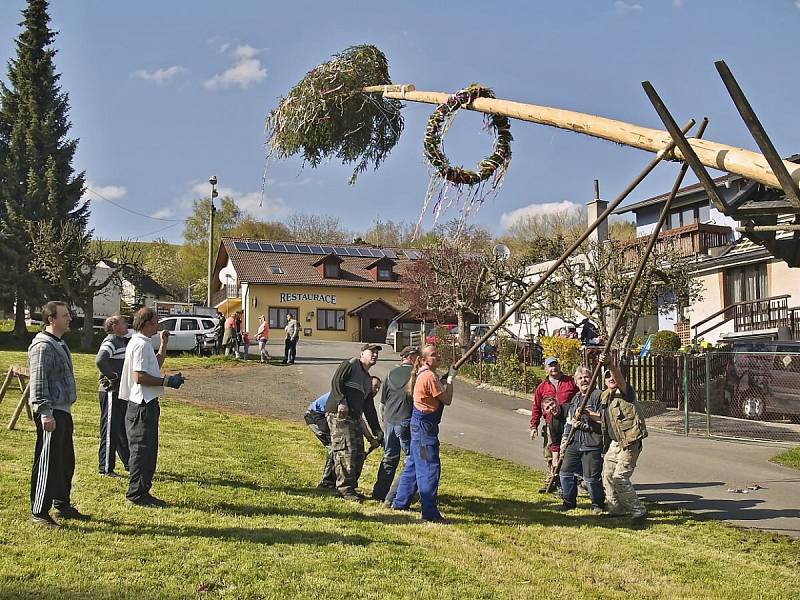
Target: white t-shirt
{"type": "Point", "coordinates": [139, 356]}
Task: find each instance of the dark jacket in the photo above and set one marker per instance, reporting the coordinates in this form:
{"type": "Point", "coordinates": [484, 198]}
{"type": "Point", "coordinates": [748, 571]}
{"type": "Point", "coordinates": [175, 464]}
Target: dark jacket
{"type": "Point", "coordinates": [358, 401]}
{"type": "Point", "coordinates": [589, 435]}
{"type": "Point", "coordinates": [397, 402]}
{"type": "Point", "coordinates": [109, 360]}
{"type": "Point", "coordinates": [555, 426]}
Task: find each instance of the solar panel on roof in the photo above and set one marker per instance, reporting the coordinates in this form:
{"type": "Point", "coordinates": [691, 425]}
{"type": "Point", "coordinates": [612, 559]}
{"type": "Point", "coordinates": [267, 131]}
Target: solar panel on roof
{"type": "Point", "coordinates": [413, 254]}
{"type": "Point", "coordinates": [303, 249]}
{"type": "Point", "coordinates": [291, 248]}
{"type": "Point", "coordinates": [364, 252]}
{"type": "Point", "coordinates": [390, 254]}
{"type": "Point", "coordinates": [327, 249]}
{"type": "Point", "coordinates": [265, 246]}
{"type": "Point", "coordinates": [253, 246]}
{"type": "Point", "coordinates": [279, 247]}
{"type": "Point", "coordinates": [376, 253]}
{"type": "Point", "coordinates": [240, 245]}
{"type": "Point", "coordinates": [315, 249]}
{"type": "Point", "coordinates": [340, 251]}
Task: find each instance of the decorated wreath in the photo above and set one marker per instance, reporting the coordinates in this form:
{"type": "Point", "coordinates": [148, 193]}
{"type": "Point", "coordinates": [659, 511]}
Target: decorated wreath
{"type": "Point", "coordinates": [495, 164]}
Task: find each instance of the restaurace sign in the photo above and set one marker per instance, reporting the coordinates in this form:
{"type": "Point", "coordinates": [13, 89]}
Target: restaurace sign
{"type": "Point", "coordinates": [326, 298]}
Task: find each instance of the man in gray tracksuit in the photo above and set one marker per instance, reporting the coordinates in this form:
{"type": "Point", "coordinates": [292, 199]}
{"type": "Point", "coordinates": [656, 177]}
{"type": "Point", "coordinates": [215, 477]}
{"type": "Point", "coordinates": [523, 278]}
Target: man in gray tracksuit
{"type": "Point", "coordinates": [52, 394]}
{"type": "Point", "coordinates": [109, 361]}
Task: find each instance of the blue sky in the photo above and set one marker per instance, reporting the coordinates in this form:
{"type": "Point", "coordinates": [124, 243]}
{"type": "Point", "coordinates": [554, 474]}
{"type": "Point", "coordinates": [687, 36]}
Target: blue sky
{"type": "Point", "coordinates": [165, 94]}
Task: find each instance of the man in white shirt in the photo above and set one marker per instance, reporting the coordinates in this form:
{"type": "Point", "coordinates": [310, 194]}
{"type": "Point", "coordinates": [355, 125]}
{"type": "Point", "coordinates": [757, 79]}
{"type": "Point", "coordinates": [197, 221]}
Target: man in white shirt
{"type": "Point", "coordinates": [141, 383]}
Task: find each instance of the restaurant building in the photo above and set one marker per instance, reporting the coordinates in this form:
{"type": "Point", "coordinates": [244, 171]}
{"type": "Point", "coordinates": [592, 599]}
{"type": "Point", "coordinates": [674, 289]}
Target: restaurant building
{"type": "Point", "coordinates": [342, 293]}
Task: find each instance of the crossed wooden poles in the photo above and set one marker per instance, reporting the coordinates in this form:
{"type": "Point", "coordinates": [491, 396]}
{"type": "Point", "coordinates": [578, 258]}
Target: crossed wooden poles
{"type": "Point", "coordinates": [695, 153]}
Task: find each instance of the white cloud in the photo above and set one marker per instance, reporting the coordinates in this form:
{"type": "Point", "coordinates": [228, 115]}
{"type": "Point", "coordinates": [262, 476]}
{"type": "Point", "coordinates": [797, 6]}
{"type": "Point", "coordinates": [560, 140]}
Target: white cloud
{"type": "Point", "coordinates": [624, 8]}
{"type": "Point", "coordinates": [160, 76]}
{"type": "Point", "coordinates": [109, 192]}
{"type": "Point", "coordinates": [682, 3]}
{"type": "Point", "coordinates": [508, 219]}
{"type": "Point", "coordinates": [163, 213]}
{"type": "Point", "coordinates": [249, 202]}
{"type": "Point", "coordinates": [797, 3]}
{"type": "Point", "coordinates": [245, 72]}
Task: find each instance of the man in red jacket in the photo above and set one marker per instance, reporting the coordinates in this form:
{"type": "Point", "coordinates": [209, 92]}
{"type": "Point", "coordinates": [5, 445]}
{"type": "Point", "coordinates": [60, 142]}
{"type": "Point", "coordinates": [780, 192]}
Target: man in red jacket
{"type": "Point", "coordinates": [555, 385]}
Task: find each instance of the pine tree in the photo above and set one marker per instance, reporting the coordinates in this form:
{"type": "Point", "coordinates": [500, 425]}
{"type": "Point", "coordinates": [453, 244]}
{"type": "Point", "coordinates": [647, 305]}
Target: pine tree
{"type": "Point", "coordinates": [37, 181]}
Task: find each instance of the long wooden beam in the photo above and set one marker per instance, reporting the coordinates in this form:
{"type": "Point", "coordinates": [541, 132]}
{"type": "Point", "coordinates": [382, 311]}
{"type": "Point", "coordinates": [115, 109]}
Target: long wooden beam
{"type": "Point", "coordinates": [715, 155]}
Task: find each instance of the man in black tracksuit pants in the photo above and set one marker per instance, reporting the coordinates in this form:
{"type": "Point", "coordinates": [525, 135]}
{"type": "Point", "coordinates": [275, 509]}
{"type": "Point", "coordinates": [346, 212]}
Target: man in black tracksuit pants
{"type": "Point", "coordinates": [397, 403]}
{"type": "Point", "coordinates": [110, 359]}
{"type": "Point", "coordinates": [52, 394]}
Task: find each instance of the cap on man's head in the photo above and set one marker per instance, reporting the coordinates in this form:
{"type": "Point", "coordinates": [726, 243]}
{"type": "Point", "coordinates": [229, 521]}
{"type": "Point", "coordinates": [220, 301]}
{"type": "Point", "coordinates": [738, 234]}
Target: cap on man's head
{"type": "Point", "coordinates": [408, 351]}
{"type": "Point", "coordinates": [550, 360]}
{"type": "Point", "coordinates": [373, 347]}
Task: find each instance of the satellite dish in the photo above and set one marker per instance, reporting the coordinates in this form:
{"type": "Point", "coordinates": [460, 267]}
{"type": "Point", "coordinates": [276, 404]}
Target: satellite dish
{"type": "Point", "coordinates": [501, 252]}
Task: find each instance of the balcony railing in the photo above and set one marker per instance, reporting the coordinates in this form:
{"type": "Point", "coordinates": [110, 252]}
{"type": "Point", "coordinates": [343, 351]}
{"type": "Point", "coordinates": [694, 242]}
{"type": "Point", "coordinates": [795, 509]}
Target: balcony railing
{"type": "Point", "coordinates": [753, 315]}
{"type": "Point", "coordinates": [225, 292]}
{"type": "Point", "coordinates": [691, 240]}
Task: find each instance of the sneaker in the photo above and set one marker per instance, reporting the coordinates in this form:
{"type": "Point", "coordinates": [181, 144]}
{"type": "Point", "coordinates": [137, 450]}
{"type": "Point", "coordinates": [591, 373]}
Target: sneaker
{"type": "Point", "coordinates": [111, 474]}
{"type": "Point", "coordinates": [326, 485]}
{"type": "Point", "coordinates": [639, 517]}
{"type": "Point", "coordinates": [142, 502]}
{"type": "Point", "coordinates": [596, 510]}
{"type": "Point", "coordinates": [566, 507]}
{"type": "Point", "coordinates": [358, 498]}
{"type": "Point", "coordinates": [70, 512]}
{"type": "Point", "coordinates": [44, 520]}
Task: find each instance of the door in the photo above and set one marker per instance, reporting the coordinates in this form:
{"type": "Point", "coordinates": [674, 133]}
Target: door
{"type": "Point", "coordinates": [784, 383]}
{"type": "Point", "coordinates": [170, 324]}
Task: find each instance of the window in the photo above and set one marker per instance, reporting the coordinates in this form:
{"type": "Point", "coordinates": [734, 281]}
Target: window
{"type": "Point", "coordinates": [331, 270]}
{"type": "Point", "coordinates": [168, 325]}
{"type": "Point", "coordinates": [277, 316]}
{"type": "Point", "coordinates": [682, 217]}
{"type": "Point", "coordinates": [384, 274]}
{"type": "Point", "coordinates": [208, 324]}
{"type": "Point", "coordinates": [276, 270]}
{"type": "Point", "coordinates": [189, 325]}
{"type": "Point", "coordinates": [330, 320]}
{"type": "Point", "coordinates": [746, 283]}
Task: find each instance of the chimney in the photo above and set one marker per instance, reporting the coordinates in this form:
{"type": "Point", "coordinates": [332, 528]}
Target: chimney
{"type": "Point", "coordinates": [593, 210]}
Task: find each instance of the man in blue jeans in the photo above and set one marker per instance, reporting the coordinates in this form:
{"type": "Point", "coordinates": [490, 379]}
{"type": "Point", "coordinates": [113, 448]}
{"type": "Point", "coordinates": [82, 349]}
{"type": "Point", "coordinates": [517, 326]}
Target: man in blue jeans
{"type": "Point", "coordinates": [397, 403]}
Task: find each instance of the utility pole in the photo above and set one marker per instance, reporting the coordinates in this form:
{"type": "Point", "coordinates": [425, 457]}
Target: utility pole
{"type": "Point", "coordinates": [213, 181]}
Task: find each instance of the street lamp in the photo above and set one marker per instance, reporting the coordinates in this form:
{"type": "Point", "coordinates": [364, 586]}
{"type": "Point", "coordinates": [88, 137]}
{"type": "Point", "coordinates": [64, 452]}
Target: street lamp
{"type": "Point", "coordinates": [213, 181]}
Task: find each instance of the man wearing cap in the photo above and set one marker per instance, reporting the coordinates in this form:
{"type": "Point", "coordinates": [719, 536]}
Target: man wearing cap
{"type": "Point", "coordinates": [350, 398]}
{"type": "Point", "coordinates": [397, 403]}
{"type": "Point", "coordinates": [556, 385]}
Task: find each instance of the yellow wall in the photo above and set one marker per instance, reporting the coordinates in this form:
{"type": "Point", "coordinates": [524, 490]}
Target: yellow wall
{"type": "Point", "coordinates": [261, 297]}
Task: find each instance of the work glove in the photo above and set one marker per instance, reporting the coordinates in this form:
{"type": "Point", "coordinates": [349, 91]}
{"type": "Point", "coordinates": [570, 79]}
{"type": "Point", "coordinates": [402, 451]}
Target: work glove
{"type": "Point", "coordinates": [451, 375]}
{"type": "Point", "coordinates": [379, 437]}
{"type": "Point", "coordinates": [107, 382]}
{"type": "Point", "coordinates": [174, 381]}
{"type": "Point", "coordinates": [342, 411]}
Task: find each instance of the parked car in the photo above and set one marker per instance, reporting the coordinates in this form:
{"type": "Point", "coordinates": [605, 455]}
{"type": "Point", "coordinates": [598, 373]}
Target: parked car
{"type": "Point", "coordinates": [432, 338]}
{"type": "Point", "coordinates": [763, 378]}
{"type": "Point", "coordinates": [183, 331]}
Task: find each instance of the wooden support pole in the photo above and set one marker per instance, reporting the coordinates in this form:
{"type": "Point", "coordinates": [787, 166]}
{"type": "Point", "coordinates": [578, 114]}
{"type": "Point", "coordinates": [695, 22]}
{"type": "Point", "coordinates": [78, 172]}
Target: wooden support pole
{"type": "Point", "coordinates": [6, 383]}
{"type": "Point", "coordinates": [767, 228]}
{"type": "Point", "coordinates": [575, 245]}
{"type": "Point", "coordinates": [23, 402]}
{"type": "Point", "coordinates": [738, 161]}
{"type": "Point", "coordinates": [759, 134]}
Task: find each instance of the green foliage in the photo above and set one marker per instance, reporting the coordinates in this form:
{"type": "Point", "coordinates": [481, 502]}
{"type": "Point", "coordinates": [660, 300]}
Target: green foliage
{"type": "Point", "coordinates": [38, 181]}
{"type": "Point", "coordinates": [327, 114]}
{"type": "Point", "coordinates": [665, 341]}
{"type": "Point", "coordinates": [567, 351]}
{"type": "Point", "coordinates": [789, 458]}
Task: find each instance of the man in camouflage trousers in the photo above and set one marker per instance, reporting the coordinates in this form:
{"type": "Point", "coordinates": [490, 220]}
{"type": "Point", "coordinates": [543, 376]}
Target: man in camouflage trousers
{"type": "Point", "coordinates": [351, 398]}
{"type": "Point", "coordinates": [622, 422]}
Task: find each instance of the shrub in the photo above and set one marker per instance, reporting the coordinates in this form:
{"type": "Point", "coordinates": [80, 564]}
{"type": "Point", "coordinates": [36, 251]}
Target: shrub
{"type": "Point", "coordinates": [567, 351]}
{"type": "Point", "coordinates": [665, 341]}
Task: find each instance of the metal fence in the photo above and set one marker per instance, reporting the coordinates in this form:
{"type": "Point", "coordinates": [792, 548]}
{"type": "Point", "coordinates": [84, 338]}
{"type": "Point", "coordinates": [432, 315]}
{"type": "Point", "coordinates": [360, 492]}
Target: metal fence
{"type": "Point", "coordinates": [753, 395]}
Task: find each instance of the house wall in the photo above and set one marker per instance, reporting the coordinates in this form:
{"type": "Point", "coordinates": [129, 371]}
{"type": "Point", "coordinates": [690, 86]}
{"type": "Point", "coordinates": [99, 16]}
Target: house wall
{"type": "Point", "coordinates": [713, 300]}
{"type": "Point", "coordinates": [257, 299]}
{"type": "Point", "coordinates": [784, 279]}
{"type": "Point", "coordinates": [647, 217]}
{"type": "Point", "coordinates": [107, 300]}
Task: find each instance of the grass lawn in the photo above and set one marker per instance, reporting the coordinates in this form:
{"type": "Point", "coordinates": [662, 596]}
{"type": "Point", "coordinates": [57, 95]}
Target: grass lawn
{"type": "Point", "coordinates": [245, 521]}
{"type": "Point", "coordinates": [790, 458]}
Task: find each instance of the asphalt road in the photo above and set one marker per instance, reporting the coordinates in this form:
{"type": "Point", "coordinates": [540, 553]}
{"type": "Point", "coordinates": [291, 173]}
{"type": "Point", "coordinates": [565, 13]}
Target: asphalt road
{"type": "Point", "coordinates": [690, 473]}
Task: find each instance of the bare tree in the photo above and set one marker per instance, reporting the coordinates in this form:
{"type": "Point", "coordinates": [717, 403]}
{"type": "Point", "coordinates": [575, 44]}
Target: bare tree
{"type": "Point", "coordinates": [65, 255]}
{"type": "Point", "coordinates": [319, 229]}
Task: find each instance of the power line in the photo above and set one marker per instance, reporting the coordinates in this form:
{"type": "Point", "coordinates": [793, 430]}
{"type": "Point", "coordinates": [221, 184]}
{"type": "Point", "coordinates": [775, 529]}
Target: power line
{"type": "Point", "coordinates": [125, 208]}
{"type": "Point", "coordinates": [156, 231]}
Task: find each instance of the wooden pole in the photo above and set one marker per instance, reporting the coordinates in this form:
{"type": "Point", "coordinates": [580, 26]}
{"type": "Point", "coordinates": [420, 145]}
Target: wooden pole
{"type": "Point", "coordinates": [6, 382]}
{"type": "Point", "coordinates": [715, 155]}
{"type": "Point", "coordinates": [23, 402]}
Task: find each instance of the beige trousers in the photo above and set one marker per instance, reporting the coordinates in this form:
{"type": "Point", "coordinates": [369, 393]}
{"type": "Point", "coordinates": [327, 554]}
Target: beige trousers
{"type": "Point", "coordinates": [618, 466]}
